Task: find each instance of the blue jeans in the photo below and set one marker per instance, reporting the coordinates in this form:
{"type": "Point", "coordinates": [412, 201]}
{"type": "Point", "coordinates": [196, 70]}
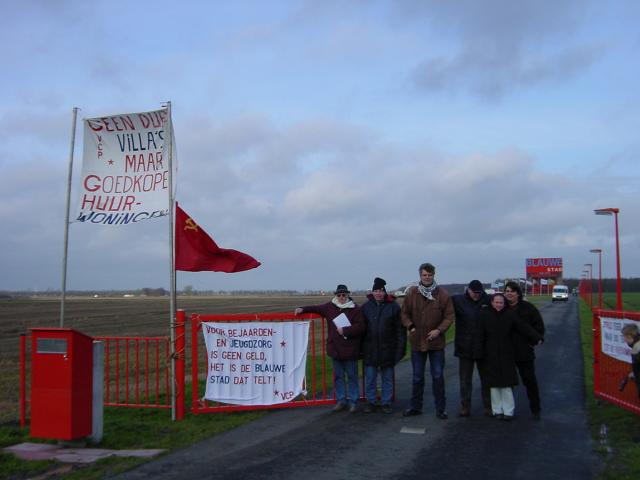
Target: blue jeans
{"type": "Point", "coordinates": [350, 368]}
{"type": "Point", "coordinates": [436, 362]}
{"type": "Point", "coordinates": [370, 384]}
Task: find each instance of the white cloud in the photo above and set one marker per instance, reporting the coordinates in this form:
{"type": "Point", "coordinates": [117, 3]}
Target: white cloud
{"type": "Point", "coordinates": [296, 145]}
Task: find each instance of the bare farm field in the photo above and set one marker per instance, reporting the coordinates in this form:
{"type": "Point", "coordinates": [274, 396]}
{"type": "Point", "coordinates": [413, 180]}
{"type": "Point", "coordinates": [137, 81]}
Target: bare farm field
{"type": "Point", "coordinates": [138, 316]}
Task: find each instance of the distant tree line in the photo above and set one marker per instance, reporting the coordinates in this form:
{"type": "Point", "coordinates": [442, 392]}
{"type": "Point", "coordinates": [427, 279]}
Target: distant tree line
{"type": "Point", "coordinates": [608, 285]}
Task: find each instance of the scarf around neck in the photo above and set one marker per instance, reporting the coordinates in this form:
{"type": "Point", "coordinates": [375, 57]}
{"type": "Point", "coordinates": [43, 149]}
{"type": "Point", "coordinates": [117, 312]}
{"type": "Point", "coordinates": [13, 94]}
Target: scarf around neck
{"type": "Point", "coordinates": [427, 292]}
{"type": "Point", "coordinates": [348, 304]}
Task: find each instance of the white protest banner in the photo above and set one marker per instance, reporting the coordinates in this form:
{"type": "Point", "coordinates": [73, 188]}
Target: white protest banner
{"type": "Point", "coordinates": [611, 340]}
{"type": "Point", "coordinates": [255, 363]}
{"type": "Point", "coordinates": [125, 173]}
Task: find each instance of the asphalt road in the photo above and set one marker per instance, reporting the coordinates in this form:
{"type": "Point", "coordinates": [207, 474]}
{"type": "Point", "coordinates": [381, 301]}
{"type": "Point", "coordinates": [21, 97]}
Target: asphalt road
{"type": "Point", "coordinates": [317, 444]}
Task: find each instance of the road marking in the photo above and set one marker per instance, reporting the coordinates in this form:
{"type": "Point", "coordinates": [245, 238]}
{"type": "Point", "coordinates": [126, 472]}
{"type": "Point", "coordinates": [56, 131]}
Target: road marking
{"type": "Point", "coordinates": [415, 431]}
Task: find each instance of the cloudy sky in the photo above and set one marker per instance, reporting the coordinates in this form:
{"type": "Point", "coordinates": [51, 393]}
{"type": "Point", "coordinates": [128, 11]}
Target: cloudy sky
{"type": "Point", "coordinates": [335, 141]}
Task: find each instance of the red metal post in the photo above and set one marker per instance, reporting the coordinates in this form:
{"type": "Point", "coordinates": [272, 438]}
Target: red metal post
{"type": "Point", "coordinates": [313, 358]}
{"type": "Point", "coordinates": [180, 354]}
{"type": "Point", "coordinates": [195, 323]}
{"type": "Point", "coordinates": [590, 265]}
{"type": "Point", "coordinates": [157, 371]}
{"type": "Point", "coordinates": [614, 212]}
{"type": "Point", "coordinates": [126, 363]}
{"type": "Point", "coordinates": [324, 361]}
{"type": "Point", "coordinates": [167, 367]}
{"type": "Point", "coordinates": [146, 361]}
{"type": "Point", "coordinates": [23, 380]}
{"type": "Point", "coordinates": [600, 279]}
{"type": "Point", "coordinates": [117, 371]}
{"type": "Point", "coordinates": [596, 353]}
{"type": "Point", "coordinates": [619, 279]}
{"type": "Point", "coordinates": [137, 370]}
{"type": "Point", "coordinates": [107, 370]}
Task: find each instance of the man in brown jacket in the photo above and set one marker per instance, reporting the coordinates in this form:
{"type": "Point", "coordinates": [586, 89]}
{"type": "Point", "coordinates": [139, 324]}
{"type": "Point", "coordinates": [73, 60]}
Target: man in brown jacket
{"type": "Point", "coordinates": [427, 312]}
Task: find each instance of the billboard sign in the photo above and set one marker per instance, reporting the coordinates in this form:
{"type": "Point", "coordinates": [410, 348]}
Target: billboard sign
{"type": "Point", "coordinates": [544, 267]}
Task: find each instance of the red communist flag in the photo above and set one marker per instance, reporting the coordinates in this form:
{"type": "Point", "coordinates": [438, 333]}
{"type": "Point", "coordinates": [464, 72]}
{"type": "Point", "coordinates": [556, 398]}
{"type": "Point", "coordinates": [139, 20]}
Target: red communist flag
{"type": "Point", "coordinates": [196, 251]}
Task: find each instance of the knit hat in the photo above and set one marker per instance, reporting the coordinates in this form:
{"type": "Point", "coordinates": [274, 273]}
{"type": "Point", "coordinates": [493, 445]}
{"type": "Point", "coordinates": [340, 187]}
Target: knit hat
{"type": "Point", "coordinates": [341, 289]}
{"type": "Point", "coordinates": [378, 284]}
{"type": "Point", "coordinates": [476, 286]}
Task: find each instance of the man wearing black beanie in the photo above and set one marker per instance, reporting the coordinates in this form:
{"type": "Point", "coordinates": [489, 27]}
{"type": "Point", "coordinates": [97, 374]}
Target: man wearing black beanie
{"type": "Point", "coordinates": [383, 345]}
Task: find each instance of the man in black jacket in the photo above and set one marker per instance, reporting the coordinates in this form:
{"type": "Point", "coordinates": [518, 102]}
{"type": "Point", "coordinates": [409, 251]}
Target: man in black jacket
{"type": "Point", "coordinates": [468, 344]}
{"type": "Point", "coordinates": [383, 346]}
{"type": "Point", "coordinates": [525, 356]}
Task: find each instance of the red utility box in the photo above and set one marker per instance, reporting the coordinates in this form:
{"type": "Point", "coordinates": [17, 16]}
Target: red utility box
{"type": "Point", "coordinates": [61, 383]}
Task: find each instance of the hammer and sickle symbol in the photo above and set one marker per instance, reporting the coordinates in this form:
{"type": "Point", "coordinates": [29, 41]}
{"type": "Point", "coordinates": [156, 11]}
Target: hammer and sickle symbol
{"type": "Point", "coordinates": [191, 225]}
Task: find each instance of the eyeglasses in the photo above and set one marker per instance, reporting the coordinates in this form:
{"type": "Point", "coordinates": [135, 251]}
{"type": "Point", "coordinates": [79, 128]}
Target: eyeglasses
{"type": "Point", "coordinates": [341, 295]}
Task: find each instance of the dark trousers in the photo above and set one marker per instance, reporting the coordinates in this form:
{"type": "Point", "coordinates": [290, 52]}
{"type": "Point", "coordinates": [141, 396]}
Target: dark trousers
{"type": "Point", "coordinates": [436, 362]}
{"type": "Point", "coordinates": [465, 372]}
{"type": "Point", "coordinates": [527, 370]}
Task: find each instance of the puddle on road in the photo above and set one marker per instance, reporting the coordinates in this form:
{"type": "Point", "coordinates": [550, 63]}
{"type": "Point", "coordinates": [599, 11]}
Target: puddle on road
{"type": "Point", "coordinates": [415, 431]}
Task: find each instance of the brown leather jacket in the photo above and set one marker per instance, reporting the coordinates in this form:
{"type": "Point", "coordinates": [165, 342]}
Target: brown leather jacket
{"type": "Point", "coordinates": [427, 315]}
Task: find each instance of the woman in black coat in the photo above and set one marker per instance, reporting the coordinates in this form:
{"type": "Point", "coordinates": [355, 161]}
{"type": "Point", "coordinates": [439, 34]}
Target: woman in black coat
{"type": "Point", "coordinates": [498, 324]}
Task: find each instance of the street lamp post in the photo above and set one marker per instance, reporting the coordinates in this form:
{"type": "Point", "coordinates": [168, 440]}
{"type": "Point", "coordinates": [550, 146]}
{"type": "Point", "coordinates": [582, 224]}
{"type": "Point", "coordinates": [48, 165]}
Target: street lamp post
{"type": "Point", "coordinates": [583, 285]}
{"type": "Point", "coordinates": [599, 252]}
{"type": "Point", "coordinates": [590, 271]}
{"type": "Point", "coordinates": [614, 212]}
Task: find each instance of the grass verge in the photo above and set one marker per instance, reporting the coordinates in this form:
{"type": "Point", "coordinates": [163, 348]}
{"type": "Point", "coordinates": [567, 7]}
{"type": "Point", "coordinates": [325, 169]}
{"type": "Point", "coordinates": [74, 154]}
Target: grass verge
{"type": "Point", "coordinates": [124, 429]}
{"type": "Point", "coordinates": [621, 450]}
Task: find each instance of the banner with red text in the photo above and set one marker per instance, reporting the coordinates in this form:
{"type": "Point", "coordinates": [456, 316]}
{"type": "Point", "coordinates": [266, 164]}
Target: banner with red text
{"type": "Point", "coordinates": [125, 172]}
{"type": "Point", "coordinates": [613, 343]}
{"type": "Point", "coordinates": [255, 363]}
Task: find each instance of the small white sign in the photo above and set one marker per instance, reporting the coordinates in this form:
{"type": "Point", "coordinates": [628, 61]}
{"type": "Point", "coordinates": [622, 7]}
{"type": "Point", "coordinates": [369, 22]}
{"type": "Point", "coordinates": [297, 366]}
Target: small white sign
{"type": "Point", "coordinates": [611, 340]}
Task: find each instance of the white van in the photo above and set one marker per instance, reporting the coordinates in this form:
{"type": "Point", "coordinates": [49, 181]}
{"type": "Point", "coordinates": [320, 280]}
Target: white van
{"type": "Point", "coordinates": [560, 293]}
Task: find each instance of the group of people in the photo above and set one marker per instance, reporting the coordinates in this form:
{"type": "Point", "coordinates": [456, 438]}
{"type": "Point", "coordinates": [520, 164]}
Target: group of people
{"type": "Point", "coordinates": [496, 334]}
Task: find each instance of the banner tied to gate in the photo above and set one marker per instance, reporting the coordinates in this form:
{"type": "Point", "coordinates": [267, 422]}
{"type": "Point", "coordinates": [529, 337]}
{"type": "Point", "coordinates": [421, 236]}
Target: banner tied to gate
{"type": "Point", "coordinates": [255, 363]}
{"type": "Point", "coordinates": [125, 171]}
{"type": "Point", "coordinates": [612, 341]}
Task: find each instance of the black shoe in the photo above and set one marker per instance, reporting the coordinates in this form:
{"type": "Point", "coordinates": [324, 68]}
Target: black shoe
{"type": "Point", "coordinates": [369, 408]}
{"type": "Point", "coordinates": [442, 415]}
{"type": "Point", "coordinates": [507, 418]}
{"type": "Point", "coordinates": [387, 409]}
{"type": "Point", "coordinates": [499, 416]}
{"type": "Point", "coordinates": [536, 416]}
{"type": "Point", "coordinates": [411, 412]}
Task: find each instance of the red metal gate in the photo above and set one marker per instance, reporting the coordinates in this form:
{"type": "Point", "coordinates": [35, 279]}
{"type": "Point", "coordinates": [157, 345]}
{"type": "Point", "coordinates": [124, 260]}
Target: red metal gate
{"type": "Point", "coordinates": [608, 371]}
{"type": "Point", "coordinates": [318, 380]}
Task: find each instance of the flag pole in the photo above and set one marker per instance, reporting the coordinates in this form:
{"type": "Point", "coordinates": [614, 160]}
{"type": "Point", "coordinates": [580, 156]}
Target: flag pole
{"type": "Point", "coordinates": [172, 266]}
{"type": "Point", "coordinates": [63, 288]}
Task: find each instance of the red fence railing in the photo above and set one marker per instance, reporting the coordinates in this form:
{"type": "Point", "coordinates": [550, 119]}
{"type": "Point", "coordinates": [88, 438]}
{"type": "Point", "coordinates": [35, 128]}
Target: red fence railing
{"type": "Point", "coordinates": [136, 371]}
{"type": "Point", "coordinates": [610, 359]}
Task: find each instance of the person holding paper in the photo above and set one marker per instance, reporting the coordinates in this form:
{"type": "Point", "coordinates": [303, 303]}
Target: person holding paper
{"type": "Point", "coordinates": [427, 312]}
{"type": "Point", "coordinates": [345, 329]}
{"type": "Point", "coordinates": [383, 346]}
